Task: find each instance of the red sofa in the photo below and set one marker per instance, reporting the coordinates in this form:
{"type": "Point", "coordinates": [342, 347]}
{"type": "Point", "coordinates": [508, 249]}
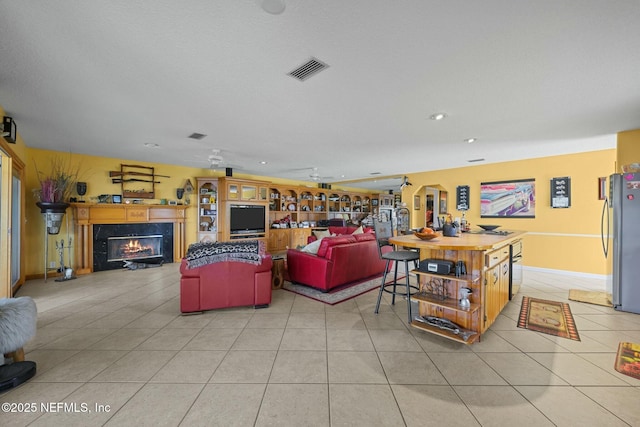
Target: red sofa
{"type": "Point", "coordinates": [225, 284]}
{"type": "Point", "coordinates": [340, 231]}
{"type": "Point", "coordinates": [340, 260]}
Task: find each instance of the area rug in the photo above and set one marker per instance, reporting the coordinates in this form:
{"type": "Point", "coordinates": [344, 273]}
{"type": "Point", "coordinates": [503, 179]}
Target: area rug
{"type": "Point", "coordinates": [339, 294]}
{"type": "Point", "coordinates": [549, 317]}
{"type": "Point", "coordinates": [628, 359]}
{"type": "Point", "coordinates": [591, 297]}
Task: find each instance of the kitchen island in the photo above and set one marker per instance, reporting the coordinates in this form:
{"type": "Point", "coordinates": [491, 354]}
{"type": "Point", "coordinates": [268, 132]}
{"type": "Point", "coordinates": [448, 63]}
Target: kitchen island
{"type": "Point", "coordinates": [485, 256]}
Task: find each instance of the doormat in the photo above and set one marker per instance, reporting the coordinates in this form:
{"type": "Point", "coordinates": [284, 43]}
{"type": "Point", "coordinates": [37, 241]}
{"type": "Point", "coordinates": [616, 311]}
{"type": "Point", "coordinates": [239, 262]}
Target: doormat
{"type": "Point", "coordinates": [628, 359]}
{"type": "Point", "coordinates": [549, 317]}
{"type": "Point", "coordinates": [591, 297]}
{"type": "Point", "coordinates": [339, 294]}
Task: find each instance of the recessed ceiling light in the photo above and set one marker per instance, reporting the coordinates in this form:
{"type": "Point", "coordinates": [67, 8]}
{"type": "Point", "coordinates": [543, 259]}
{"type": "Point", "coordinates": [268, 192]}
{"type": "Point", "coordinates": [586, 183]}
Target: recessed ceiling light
{"type": "Point", "coordinates": [263, 162]}
{"type": "Point", "coordinates": [274, 7]}
{"type": "Point", "coordinates": [470, 140]}
{"type": "Point", "coordinates": [438, 116]}
{"type": "Point", "coordinates": [151, 145]}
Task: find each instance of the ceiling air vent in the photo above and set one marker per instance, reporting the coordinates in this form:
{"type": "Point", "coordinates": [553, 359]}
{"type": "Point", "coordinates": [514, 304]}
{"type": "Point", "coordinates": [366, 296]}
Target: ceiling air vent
{"type": "Point", "coordinates": [196, 135]}
{"type": "Point", "coordinates": [308, 69]}
{"type": "Point", "coordinates": [475, 160]}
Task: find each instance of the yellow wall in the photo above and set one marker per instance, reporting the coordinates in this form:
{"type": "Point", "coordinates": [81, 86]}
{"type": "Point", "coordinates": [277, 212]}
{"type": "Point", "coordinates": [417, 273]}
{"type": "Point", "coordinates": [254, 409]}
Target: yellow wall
{"type": "Point", "coordinates": [628, 148]}
{"type": "Point", "coordinates": [95, 171]}
{"type": "Point", "coordinates": [559, 239]}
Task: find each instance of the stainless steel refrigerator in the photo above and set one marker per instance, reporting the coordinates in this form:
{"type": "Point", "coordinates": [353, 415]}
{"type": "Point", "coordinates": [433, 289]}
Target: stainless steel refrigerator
{"type": "Point", "coordinates": [621, 243]}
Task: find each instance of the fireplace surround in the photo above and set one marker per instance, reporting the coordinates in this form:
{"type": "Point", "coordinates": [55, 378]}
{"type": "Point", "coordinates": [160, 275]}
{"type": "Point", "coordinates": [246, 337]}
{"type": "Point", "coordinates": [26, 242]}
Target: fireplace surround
{"type": "Point", "coordinates": [93, 220]}
{"type": "Point", "coordinates": [141, 242]}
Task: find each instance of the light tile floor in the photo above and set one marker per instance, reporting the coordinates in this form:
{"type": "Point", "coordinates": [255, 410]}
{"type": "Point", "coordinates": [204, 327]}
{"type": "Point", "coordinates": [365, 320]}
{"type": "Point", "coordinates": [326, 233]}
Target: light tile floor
{"type": "Point", "coordinates": [117, 340]}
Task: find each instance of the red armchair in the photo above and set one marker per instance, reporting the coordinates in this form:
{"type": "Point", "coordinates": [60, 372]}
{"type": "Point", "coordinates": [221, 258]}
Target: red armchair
{"type": "Point", "coordinates": [225, 284]}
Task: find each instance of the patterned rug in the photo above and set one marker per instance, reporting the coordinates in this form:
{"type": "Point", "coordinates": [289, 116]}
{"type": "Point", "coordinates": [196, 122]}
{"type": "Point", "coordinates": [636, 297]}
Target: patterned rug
{"type": "Point", "coordinates": [339, 294]}
{"type": "Point", "coordinates": [628, 359]}
{"type": "Point", "coordinates": [591, 297]}
{"type": "Point", "coordinates": [549, 317]}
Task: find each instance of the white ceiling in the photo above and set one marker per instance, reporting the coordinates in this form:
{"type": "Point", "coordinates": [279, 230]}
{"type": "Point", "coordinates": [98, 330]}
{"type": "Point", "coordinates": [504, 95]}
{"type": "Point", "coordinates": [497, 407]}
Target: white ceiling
{"type": "Point", "coordinates": [527, 78]}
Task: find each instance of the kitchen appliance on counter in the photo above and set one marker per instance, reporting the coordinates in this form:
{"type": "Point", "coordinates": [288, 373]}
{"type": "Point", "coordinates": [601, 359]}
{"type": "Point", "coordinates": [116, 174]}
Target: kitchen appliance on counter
{"type": "Point", "coordinates": [621, 244]}
{"type": "Point", "coordinates": [515, 267]}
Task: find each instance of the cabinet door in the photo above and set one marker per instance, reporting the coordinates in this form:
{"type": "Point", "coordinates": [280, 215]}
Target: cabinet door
{"type": "Point", "coordinates": [492, 294]}
{"type": "Point", "coordinates": [263, 194]}
{"type": "Point", "coordinates": [278, 240]}
{"type": "Point", "coordinates": [233, 192]}
{"type": "Point", "coordinates": [299, 237]}
{"type": "Point", "coordinates": [248, 192]}
{"type": "Point", "coordinates": [504, 283]}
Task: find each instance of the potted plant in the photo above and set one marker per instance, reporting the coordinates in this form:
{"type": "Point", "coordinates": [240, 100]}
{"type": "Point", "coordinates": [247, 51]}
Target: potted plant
{"type": "Point", "coordinates": [54, 191]}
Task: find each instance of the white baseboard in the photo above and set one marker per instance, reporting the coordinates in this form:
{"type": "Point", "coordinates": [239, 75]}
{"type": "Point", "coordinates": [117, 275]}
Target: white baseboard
{"type": "Point", "coordinates": [566, 272]}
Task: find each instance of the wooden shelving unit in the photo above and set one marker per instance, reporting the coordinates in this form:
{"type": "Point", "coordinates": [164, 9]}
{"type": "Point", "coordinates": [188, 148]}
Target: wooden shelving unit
{"type": "Point", "coordinates": [207, 209]}
{"type": "Point", "coordinates": [443, 305]}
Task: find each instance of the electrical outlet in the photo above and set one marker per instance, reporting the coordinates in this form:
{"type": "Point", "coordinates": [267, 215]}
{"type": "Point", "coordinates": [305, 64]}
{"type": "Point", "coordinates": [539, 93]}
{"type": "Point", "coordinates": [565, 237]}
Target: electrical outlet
{"type": "Point", "coordinates": [52, 264]}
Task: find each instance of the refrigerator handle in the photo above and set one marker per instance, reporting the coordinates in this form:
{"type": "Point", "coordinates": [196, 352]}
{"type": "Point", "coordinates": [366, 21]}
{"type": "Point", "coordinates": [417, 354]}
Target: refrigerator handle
{"type": "Point", "coordinates": [605, 241]}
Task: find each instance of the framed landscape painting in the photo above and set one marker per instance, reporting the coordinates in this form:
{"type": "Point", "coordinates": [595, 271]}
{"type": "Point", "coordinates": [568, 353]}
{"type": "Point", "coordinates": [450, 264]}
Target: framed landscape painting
{"type": "Point", "coordinates": [515, 198]}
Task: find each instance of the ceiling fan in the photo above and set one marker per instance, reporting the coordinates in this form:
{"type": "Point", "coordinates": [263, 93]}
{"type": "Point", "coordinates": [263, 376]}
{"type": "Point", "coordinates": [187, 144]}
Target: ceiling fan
{"type": "Point", "coordinates": [315, 176]}
{"type": "Point", "coordinates": [216, 160]}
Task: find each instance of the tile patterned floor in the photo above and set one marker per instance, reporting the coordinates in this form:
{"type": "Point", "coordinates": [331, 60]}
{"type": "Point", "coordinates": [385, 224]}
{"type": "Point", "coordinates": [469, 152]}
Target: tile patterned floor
{"type": "Point", "coordinates": [116, 339]}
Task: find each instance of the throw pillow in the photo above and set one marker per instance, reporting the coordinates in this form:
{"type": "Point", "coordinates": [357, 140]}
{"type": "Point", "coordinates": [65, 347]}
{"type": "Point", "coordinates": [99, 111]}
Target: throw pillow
{"type": "Point", "coordinates": [321, 233]}
{"type": "Point", "coordinates": [312, 247]}
{"type": "Point", "coordinates": [358, 230]}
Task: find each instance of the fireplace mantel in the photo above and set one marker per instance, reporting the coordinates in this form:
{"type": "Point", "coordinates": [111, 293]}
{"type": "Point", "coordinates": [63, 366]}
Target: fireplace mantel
{"type": "Point", "coordinates": [85, 215]}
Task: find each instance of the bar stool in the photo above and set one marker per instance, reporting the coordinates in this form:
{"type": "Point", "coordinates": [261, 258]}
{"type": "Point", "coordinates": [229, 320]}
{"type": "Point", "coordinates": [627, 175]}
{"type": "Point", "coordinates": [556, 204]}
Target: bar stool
{"type": "Point", "coordinates": [384, 231]}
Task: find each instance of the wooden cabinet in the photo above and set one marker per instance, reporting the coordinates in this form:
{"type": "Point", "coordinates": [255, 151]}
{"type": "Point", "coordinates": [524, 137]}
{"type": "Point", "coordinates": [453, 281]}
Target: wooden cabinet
{"type": "Point", "coordinates": [207, 191]}
{"type": "Point", "coordinates": [278, 240]}
{"type": "Point", "coordinates": [299, 237]}
{"type": "Point", "coordinates": [496, 278]}
{"type": "Point", "coordinates": [242, 192]}
{"type": "Point", "coordinates": [282, 238]}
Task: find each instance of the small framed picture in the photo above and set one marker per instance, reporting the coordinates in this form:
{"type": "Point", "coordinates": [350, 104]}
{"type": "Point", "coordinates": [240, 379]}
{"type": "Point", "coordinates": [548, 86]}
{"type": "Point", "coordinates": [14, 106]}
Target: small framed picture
{"type": "Point", "coordinates": [173, 202]}
{"type": "Point", "coordinates": [293, 224]}
{"type": "Point", "coordinates": [416, 202]}
{"type": "Point", "coordinates": [204, 191]}
{"type": "Point", "coordinates": [116, 198]}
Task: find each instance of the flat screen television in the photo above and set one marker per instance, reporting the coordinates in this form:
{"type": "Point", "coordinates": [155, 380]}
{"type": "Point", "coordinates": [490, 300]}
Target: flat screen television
{"type": "Point", "coordinates": [247, 219]}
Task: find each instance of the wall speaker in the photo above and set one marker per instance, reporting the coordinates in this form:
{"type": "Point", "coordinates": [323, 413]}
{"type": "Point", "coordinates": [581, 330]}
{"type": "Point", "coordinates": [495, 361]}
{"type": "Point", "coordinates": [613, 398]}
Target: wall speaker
{"type": "Point", "coordinates": [9, 130]}
{"type": "Point", "coordinates": [228, 172]}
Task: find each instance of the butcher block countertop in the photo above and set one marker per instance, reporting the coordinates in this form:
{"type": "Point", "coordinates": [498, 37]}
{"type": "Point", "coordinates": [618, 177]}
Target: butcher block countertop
{"type": "Point", "coordinates": [463, 242]}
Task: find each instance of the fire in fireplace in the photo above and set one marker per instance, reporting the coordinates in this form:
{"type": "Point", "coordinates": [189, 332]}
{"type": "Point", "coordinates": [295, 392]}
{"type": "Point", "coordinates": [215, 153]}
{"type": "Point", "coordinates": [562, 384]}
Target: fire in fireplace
{"type": "Point", "coordinates": [134, 247]}
{"type": "Point", "coordinates": [106, 236]}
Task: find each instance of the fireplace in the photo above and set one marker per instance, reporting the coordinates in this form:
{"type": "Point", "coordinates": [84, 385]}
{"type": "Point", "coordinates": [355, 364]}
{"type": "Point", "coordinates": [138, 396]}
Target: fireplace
{"type": "Point", "coordinates": [115, 243]}
{"type": "Point", "coordinates": [91, 223]}
{"type": "Point", "coordinates": [139, 248]}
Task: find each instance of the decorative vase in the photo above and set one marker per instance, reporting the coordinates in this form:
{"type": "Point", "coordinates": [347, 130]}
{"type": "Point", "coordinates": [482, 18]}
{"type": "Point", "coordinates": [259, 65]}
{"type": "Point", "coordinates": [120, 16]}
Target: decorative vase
{"type": "Point", "coordinates": [53, 212]}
